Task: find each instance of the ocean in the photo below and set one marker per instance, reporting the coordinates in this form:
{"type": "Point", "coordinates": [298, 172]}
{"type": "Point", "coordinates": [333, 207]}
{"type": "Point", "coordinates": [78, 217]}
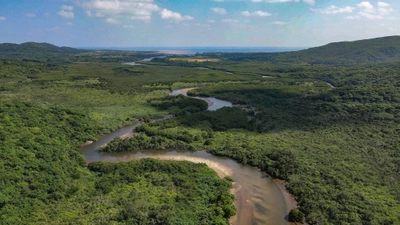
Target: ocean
{"type": "Point", "coordinates": [194, 50]}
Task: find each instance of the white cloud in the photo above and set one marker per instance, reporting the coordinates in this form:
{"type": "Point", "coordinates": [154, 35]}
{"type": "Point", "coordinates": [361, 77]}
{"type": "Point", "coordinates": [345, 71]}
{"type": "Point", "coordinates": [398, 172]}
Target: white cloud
{"type": "Point", "coordinates": [30, 15]}
{"type": "Point", "coordinates": [245, 13]}
{"type": "Point", "coordinates": [169, 15]}
{"type": "Point", "coordinates": [384, 8]}
{"type": "Point", "coordinates": [2, 18]}
{"type": "Point", "coordinates": [366, 7]}
{"type": "Point", "coordinates": [128, 9]}
{"type": "Point", "coordinates": [368, 11]}
{"type": "Point", "coordinates": [256, 13]}
{"type": "Point", "coordinates": [112, 20]}
{"type": "Point", "coordinates": [69, 24]}
{"type": "Point", "coordinates": [66, 11]}
{"type": "Point", "coordinates": [220, 11]}
{"type": "Point", "coordinates": [121, 10]}
{"type": "Point", "coordinates": [66, 14]}
{"type": "Point", "coordinates": [383, 4]}
{"type": "Point", "coordinates": [218, 0]}
{"type": "Point", "coordinates": [310, 2]}
{"type": "Point", "coordinates": [256, 0]}
{"type": "Point", "coordinates": [278, 1]}
{"type": "Point", "coordinates": [260, 13]}
{"type": "Point", "coordinates": [335, 10]}
{"type": "Point", "coordinates": [371, 16]}
{"type": "Point", "coordinates": [211, 21]}
{"type": "Point", "coordinates": [67, 7]}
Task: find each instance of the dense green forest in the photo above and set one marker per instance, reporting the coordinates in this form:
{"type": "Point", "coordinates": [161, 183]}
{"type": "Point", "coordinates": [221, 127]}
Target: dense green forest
{"type": "Point", "coordinates": [330, 128]}
{"type": "Point", "coordinates": [45, 180]}
{"type": "Point", "coordinates": [48, 109]}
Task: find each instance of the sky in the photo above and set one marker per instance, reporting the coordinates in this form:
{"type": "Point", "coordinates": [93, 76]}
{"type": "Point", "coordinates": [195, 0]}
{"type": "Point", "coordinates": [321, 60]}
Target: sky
{"type": "Point", "coordinates": [221, 23]}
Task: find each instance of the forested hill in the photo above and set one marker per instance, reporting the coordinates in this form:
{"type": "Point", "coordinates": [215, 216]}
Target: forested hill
{"type": "Point", "coordinates": [49, 53]}
{"type": "Point", "coordinates": [384, 49]}
{"type": "Point", "coordinates": [33, 50]}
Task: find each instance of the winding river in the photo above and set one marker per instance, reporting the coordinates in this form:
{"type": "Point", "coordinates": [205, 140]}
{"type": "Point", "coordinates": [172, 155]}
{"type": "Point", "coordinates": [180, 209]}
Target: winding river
{"type": "Point", "coordinates": [213, 103]}
{"type": "Point", "coordinates": [259, 200]}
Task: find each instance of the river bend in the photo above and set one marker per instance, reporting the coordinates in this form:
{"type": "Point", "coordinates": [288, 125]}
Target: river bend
{"type": "Point", "coordinates": [258, 200]}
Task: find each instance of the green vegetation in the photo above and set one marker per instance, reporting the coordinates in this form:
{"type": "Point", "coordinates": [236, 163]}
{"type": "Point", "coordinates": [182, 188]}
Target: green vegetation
{"type": "Point", "coordinates": [337, 147]}
{"type": "Point", "coordinates": [378, 50]}
{"type": "Point", "coordinates": [156, 192]}
{"type": "Point", "coordinates": [45, 180]}
{"type": "Point", "coordinates": [180, 105]}
{"type": "Point", "coordinates": [322, 141]}
{"type": "Point", "coordinates": [48, 109]}
{"type": "Point", "coordinates": [32, 50]}
{"type": "Point", "coordinates": [296, 216]}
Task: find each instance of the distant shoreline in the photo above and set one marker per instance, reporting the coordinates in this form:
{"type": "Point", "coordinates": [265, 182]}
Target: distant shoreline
{"type": "Point", "coordinates": [193, 50]}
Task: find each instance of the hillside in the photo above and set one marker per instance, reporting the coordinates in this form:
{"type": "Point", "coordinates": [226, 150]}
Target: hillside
{"type": "Point", "coordinates": [33, 50]}
{"type": "Point", "coordinates": [383, 49]}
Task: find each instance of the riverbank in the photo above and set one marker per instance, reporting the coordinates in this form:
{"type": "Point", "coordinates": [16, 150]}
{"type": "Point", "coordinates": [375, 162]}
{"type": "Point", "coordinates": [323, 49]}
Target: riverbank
{"type": "Point", "coordinates": [290, 200]}
{"type": "Point", "coordinates": [185, 91]}
{"type": "Point", "coordinates": [258, 199]}
{"type": "Point", "coordinates": [224, 171]}
{"type": "Point", "coordinates": [219, 168]}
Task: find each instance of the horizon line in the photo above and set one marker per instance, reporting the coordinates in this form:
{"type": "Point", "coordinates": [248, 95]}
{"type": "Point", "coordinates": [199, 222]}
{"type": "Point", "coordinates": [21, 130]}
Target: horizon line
{"type": "Point", "coordinates": [189, 46]}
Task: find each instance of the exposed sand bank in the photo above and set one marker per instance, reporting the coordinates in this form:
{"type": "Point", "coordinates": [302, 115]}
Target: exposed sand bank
{"type": "Point", "coordinates": [221, 169]}
{"type": "Point", "coordinates": [185, 91]}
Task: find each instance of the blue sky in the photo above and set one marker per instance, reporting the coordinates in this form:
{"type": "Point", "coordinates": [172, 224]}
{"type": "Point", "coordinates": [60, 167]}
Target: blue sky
{"type": "Point", "coordinates": [135, 23]}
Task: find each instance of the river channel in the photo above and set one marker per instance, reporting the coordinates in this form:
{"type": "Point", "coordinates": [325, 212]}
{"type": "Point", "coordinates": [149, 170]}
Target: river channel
{"type": "Point", "coordinates": [258, 200]}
